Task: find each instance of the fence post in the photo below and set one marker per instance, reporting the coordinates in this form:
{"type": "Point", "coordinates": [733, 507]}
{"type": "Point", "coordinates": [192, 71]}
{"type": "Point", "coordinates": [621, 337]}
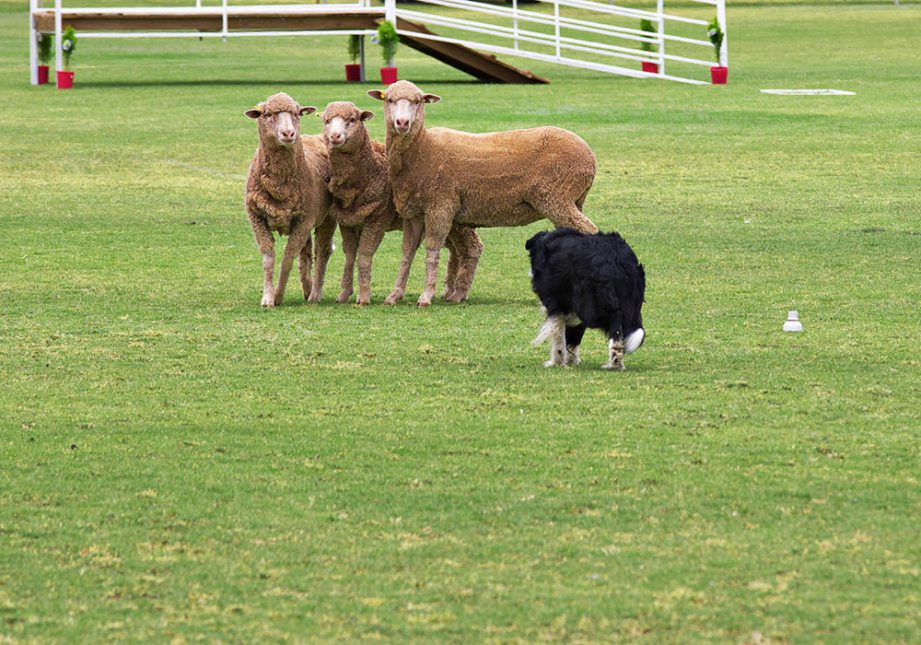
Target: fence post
{"type": "Point", "coordinates": [33, 44]}
{"type": "Point", "coordinates": [660, 27]}
{"type": "Point", "coordinates": [556, 25]}
{"type": "Point", "coordinates": [721, 16]}
{"type": "Point", "coordinates": [390, 12]}
{"type": "Point", "coordinates": [515, 21]}
{"type": "Point", "coordinates": [224, 21]}
{"type": "Point", "coordinates": [58, 62]}
{"type": "Point", "coordinates": [361, 59]}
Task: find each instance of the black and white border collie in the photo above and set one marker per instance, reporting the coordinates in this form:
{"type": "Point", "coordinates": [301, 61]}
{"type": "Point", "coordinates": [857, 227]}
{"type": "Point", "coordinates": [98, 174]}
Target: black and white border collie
{"type": "Point", "coordinates": [587, 281]}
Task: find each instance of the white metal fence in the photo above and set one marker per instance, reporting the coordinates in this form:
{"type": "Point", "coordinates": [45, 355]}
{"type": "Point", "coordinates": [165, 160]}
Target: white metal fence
{"type": "Point", "coordinates": [578, 33]}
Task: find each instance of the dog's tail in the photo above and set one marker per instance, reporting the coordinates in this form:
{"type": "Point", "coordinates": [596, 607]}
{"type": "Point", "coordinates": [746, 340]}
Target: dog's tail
{"type": "Point", "coordinates": [634, 340]}
{"type": "Point", "coordinates": [547, 330]}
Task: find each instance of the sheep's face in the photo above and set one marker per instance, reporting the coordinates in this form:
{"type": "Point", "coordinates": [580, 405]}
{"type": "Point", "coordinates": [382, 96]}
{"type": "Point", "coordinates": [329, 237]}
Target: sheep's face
{"type": "Point", "coordinates": [343, 125]}
{"type": "Point", "coordinates": [279, 119]}
{"type": "Point", "coordinates": [404, 106]}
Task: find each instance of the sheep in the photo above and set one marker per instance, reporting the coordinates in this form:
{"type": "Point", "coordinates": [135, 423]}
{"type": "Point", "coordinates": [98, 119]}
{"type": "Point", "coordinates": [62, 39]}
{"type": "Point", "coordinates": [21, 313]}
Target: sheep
{"type": "Point", "coordinates": [286, 193]}
{"type": "Point", "coordinates": [363, 207]}
{"type": "Point", "coordinates": [444, 177]}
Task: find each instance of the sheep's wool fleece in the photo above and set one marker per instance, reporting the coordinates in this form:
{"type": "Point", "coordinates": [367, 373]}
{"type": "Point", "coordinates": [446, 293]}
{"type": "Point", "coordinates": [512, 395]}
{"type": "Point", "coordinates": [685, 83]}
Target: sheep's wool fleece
{"type": "Point", "coordinates": [359, 179]}
{"type": "Point", "coordinates": [496, 179]}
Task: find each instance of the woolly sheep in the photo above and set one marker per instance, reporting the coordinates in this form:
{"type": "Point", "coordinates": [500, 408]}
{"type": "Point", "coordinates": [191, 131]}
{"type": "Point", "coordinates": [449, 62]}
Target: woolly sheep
{"type": "Point", "coordinates": [363, 206]}
{"type": "Point", "coordinates": [286, 193]}
{"type": "Point", "coordinates": [443, 177]}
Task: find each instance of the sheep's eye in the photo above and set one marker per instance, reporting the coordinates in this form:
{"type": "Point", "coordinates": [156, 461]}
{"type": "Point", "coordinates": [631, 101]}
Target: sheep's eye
{"type": "Point", "coordinates": [352, 120]}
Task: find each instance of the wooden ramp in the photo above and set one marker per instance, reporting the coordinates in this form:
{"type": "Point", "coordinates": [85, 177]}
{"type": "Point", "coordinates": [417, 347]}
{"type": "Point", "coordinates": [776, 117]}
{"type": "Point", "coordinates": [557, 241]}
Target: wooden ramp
{"type": "Point", "coordinates": [230, 20]}
{"type": "Point", "coordinates": [485, 67]}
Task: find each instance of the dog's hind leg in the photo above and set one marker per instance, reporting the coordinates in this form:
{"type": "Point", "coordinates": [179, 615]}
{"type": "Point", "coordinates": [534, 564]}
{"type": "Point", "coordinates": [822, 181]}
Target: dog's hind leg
{"type": "Point", "coordinates": [575, 330]}
{"type": "Point", "coordinates": [615, 343]}
{"type": "Point", "coordinates": [615, 355]}
{"type": "Point", "coordinates": [554, 330]}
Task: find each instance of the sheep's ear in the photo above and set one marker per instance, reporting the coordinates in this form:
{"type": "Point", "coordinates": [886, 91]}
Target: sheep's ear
{"type": "Point", "coordinates": [376, 94]}
{"type": "Point", "coordinates": [431, 98]}
{"type": "Point", "coordinates": [307, 109]}
{"type": "Point", "coordinates": [367, 115]}
{"type": "Point", "coordinates": [254, 112]}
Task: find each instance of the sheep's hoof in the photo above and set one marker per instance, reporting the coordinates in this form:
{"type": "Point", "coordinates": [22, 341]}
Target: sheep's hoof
{"type": "Point", "coordinates": [314, 296]}
{"type": "Point", "coordinates": [448, 294]}
{"type": "Point", "coordinates": [268, 300]}
{"type": "Point", "coordinates": [550, 363]}
{"type": "Point", "coordinates": [344, 297]}
{"type": "Point", "coordinates": [614, 366]}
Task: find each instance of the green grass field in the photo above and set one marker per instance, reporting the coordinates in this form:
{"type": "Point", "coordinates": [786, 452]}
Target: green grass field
{"type": "Point", "coordinates": [178, 464]}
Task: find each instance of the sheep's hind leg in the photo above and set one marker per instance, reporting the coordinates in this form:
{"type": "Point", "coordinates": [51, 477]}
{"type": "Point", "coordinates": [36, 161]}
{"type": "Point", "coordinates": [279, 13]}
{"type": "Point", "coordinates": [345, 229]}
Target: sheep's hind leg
{"type": "Point", "coordinates": [563, 212]}
{"type": "Point", "coordinates": [349, 246]}
{"type": "Point", "coordinates": [470, 248]}
{"type": "Point", "coordinates": [324, 248]}
{"type": "Point", "coordinates": [453, 262]}
{"type": "Point", "coordinates": [412, 236]}
{"type": "Point", "coordinates": [304, 265]}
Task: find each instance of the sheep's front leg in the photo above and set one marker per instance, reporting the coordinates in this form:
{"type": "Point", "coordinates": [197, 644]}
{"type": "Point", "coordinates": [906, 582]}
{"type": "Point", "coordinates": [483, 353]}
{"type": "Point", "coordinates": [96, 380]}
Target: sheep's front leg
{"type": "Point", "coordinates": [265, 241]}
{"type": "Point", "coordinates": [268, 273]}
{"type": "Point", "coordinates": [324, 249]}
{"type": "Point", "coordinates": [296, 241]}
{"type": "Point", "coordinates": [371, 236]}
{"type": "Point", "coordinates": [436, 231]}
{"type": "Point", "coordinates": [350, 247]}
{"type": "Point", "coordinates": [412, 236]}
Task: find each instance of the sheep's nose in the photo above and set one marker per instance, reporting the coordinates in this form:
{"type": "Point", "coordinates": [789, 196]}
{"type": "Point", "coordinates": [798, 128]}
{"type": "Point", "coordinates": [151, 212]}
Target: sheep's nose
{"type": "Point", "coordinates": [287, 134]}
{"type": "Point", "coordinates": [336, 137]}
{"type": "Point", "coordinates": [402, 124]}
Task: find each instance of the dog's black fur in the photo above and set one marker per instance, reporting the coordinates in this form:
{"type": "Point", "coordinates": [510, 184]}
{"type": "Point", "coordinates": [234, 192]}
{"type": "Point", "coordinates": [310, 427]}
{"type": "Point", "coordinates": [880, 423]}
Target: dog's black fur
{"type": "Point", "coordinates": [595, 278]}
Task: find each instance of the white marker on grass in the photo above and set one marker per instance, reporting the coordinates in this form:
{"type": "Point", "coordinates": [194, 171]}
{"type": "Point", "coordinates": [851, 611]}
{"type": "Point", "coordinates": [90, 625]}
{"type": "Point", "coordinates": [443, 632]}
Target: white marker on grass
{"type": "Point", "coordinates": [792, 323]}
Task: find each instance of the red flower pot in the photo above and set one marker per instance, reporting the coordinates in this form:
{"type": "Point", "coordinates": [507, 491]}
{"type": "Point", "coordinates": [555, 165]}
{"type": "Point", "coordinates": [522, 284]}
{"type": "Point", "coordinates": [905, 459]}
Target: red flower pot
{"type": "Point", "coordinates": [649, 67]}
{"type": "Point", "coordinates": [353, 73]}
{"type": "Point", "coordinates": [718, 75]}
{"type": "Point", "coordinates": [65, 80]}
{"type": "Point", "coordinates": [42, 74]}
{"type": "Point", "coordinates": [388, 75]}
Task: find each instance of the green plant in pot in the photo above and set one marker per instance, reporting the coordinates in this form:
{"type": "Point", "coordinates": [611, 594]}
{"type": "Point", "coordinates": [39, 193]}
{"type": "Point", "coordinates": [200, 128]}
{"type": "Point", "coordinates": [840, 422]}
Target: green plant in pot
{"type": "Point", "coordinates": [68, 47]}
{"type": "Point", "coordinates": [353, 69]}
{"type": "Point", "coordinates": [45, 52]}
{"type": "Point", "coordinates": [648, 27]}
{"type": "Point", "coordinates": [389, 41]}
{"type": "Point", "coordinates": [718, 73]}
